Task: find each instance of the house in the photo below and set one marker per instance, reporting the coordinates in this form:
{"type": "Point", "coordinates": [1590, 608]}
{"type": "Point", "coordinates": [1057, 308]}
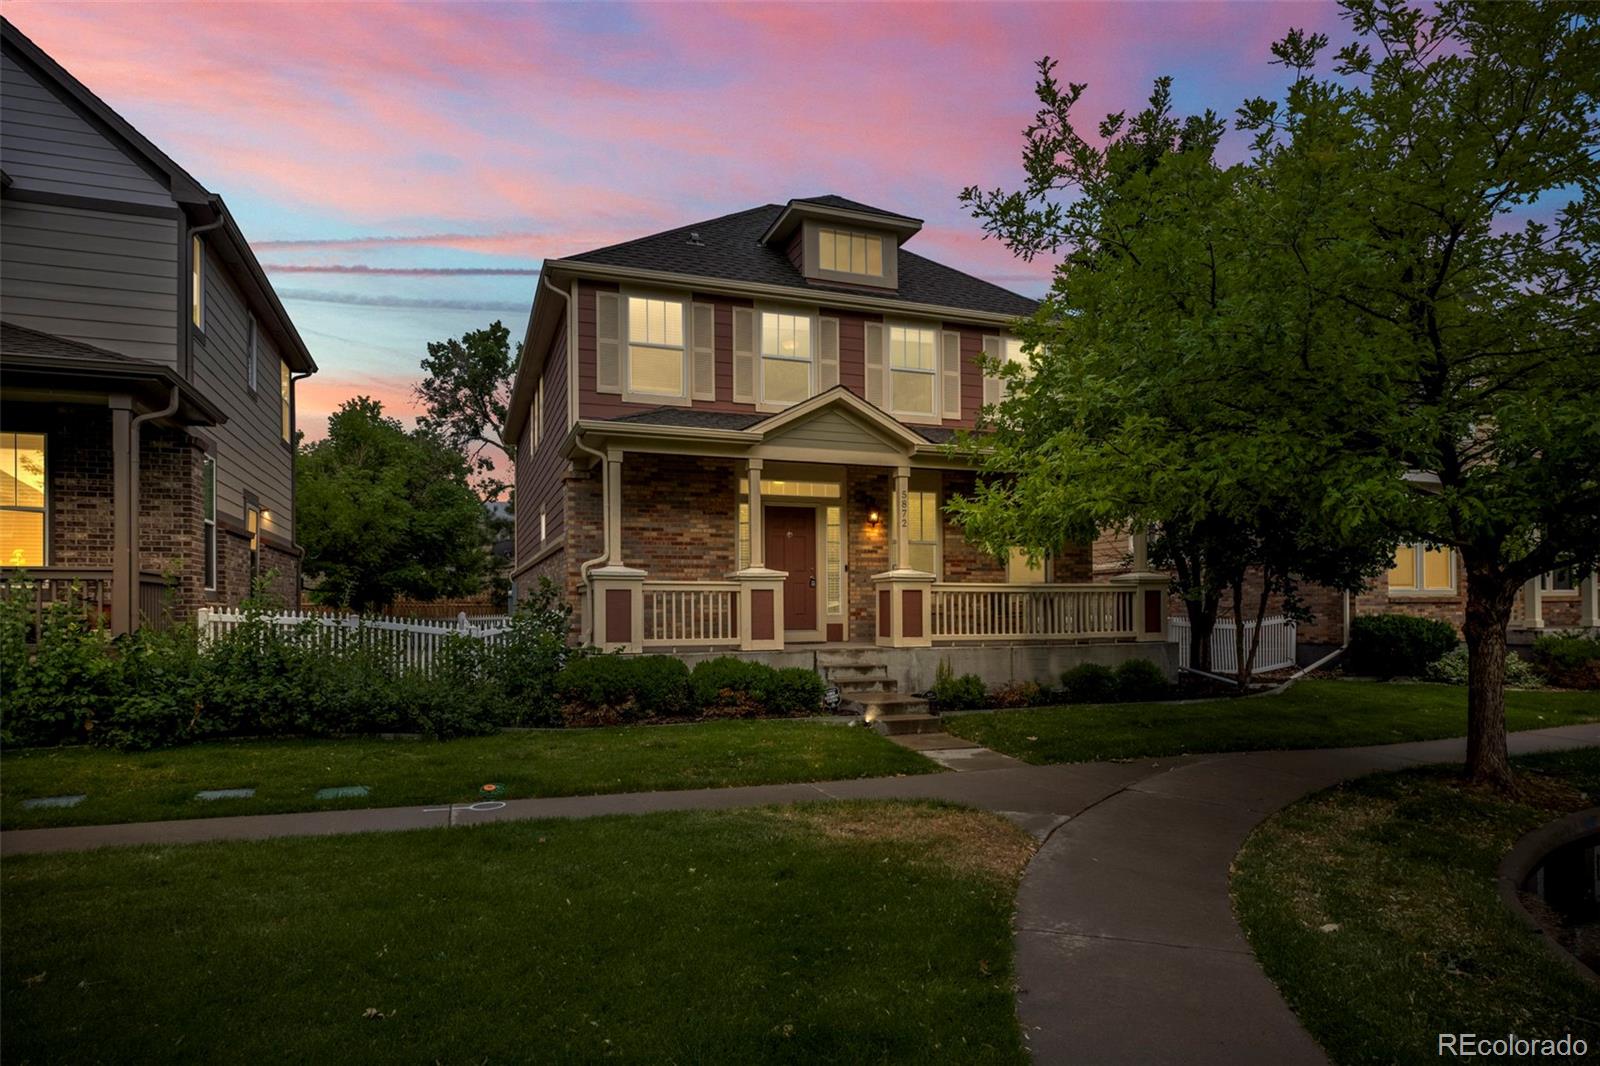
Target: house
{"type": "Point", "coordinates": [147, 368]}
{"type": "Point", "coordinates": [732, 437]}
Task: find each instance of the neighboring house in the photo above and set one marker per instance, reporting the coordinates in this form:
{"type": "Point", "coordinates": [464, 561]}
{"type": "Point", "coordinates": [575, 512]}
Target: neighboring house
{"type": "Point", "coordinates": [731, 435]}
{"type": "Point", "coordinates": [147, 368]}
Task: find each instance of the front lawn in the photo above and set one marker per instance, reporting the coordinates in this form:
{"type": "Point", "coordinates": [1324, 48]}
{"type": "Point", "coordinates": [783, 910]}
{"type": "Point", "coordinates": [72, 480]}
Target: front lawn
{"type": "Point", "coordinates": [1311, 714]}
{"type": "Point", "coordinates": [818, 933]}
{"type": "Point", "coordinates": [151, 786]}
{"type": "Point", "coordinates": [1373, 907]}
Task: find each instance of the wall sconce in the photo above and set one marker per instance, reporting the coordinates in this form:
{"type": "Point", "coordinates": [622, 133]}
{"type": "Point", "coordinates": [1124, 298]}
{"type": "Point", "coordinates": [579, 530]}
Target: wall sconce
{"type": "Point", "coordinates": [873, 518]}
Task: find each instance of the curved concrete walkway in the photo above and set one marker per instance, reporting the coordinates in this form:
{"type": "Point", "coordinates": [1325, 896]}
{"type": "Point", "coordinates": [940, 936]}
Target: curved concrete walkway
{"type": "Point", "coordinates": [1127, 949]}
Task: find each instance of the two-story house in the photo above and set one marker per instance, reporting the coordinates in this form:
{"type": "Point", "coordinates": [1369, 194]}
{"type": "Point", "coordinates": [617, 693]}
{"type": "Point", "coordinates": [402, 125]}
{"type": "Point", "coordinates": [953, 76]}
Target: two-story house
{"type": "Point", "coordinates": [731, 436]}
{"type": "Point", "coordinates": [147, 368]}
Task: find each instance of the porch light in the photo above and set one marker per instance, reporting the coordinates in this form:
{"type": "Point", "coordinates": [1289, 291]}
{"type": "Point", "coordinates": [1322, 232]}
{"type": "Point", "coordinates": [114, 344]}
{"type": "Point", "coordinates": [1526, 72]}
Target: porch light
{"type": "Point", "coordinates": [873, 518]}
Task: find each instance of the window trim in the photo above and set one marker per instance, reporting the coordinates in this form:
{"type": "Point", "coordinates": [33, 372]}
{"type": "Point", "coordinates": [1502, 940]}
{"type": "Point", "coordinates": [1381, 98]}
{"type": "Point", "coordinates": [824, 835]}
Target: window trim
{"type": "Point", "coordinates": [252, 532]}
{"type": "Point", "coordinates": [285, 402]}
{"type": "Point", "coordinates": [811, 255]}
{"type": "Point", "coordinates": [684, 300]}
{"type": "Point", "coordinates": [197, 282]}
{"type": "Point", "coordinates": [935, 415]}
{"type": "Point", "coordinates": [208, 525]}
{"type": "Point", "coordinates": [1419, 568]}
{"type": "Point", "coordinates": [43, 510]}
{"type": "Point", "coordinates": [1546, 591]}
{"type": "Point", "coordinates": [813, 317]}
{"type": "Point", "coordinates": [252, 356]}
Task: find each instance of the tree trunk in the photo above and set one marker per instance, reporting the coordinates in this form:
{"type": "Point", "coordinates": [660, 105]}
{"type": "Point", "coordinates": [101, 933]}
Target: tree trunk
{"type": "Point", "coordinates": [1489, 600]}
{"type": "Point", "coordinates": [1202, 623]}
{"type": "Point", "coordinates": [1247, 662]}
{"type": "Point", "coordinates": [1240, 676]}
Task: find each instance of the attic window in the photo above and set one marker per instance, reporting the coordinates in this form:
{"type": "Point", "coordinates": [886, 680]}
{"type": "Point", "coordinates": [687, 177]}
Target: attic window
{"type": "Point", "coordinates": [850, 252]}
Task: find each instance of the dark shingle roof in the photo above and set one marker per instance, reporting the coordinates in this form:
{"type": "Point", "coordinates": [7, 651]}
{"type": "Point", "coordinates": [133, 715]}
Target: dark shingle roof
{"type": "Point", "coordinates": [830, 200]}
{"type": "Point", "coordinates": [18, 340]}
{"type": "Point", "coordinates": [730, 249]}
{"type": "Point", "coordinates": [690, 417]}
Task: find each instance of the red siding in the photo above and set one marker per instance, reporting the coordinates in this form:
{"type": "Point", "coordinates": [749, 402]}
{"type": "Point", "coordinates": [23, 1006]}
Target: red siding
{"type": "Point", "coordinates": [539, 472]}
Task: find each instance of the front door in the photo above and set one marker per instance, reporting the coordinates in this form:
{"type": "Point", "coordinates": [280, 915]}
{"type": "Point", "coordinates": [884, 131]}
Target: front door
{"type": "Point", "coordinates": [792, 546]}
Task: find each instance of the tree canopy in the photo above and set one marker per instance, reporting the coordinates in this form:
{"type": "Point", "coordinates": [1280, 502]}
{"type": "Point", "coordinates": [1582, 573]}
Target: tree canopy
{"type": "Point", "coordinates": [384, 512]}
{"type": "Point", "coordinates": [464, 393]}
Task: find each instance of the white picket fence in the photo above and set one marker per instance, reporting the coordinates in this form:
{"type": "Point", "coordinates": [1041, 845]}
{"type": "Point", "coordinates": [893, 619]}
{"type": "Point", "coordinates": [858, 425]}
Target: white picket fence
{"type": "Point", "coordinates": [412, 641]}
{"type": "Point", "coordinates": [1276, 651]}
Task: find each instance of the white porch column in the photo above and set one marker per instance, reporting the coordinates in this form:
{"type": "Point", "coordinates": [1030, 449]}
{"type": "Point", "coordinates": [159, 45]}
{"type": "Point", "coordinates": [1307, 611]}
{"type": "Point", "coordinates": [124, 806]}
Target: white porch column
{"type": "Point", "coordinates": [613, 492]}
{"type": "Point", "coordinates": [1533, 601]}
{"type": "Point", "coordinates": [1141, 552]}
{"type": "Point", "coordinates": [902, 518]}
{"type": "Point", "coordinates": [758, 531]}
{"type": "Point", "coordinates": [1589, 601]}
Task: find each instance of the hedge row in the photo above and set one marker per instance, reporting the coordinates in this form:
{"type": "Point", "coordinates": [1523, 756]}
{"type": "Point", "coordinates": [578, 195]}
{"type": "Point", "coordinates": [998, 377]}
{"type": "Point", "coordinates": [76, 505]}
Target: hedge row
{"type": "Point", "coordinates": [615, 689]}
{"type": "Point", "coordinates": [1134, 680]}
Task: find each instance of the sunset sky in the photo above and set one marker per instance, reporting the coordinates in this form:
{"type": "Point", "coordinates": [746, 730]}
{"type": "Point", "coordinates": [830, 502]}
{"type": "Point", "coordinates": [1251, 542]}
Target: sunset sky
{"type": "Point", "coordinates": [403, 169]}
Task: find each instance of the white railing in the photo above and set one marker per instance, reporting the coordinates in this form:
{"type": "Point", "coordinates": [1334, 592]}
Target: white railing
{"type": "Point", "coordinates": [1276, 652]}
{"type": "Point", "coordinates": [679, 613]}
{"type": "Point", "coordinates": [973, 611]}
{"type": "Point", "coordinates": [412, 641]}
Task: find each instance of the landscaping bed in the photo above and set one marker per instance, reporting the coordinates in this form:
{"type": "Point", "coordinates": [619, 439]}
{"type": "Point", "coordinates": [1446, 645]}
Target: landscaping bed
{"type": "Point", "coordinates": [1311, 714]}
{"type": "Point", "coordinates": [147, 786]}
{"type": "Point", "coordinates": [825, 933]}
{"type": "Point", "coordinates": [1374, 908]}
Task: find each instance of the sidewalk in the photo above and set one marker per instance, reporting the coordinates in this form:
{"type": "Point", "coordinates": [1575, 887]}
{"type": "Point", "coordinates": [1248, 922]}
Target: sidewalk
{"type": "Point", "coordinates": [1127, 950]}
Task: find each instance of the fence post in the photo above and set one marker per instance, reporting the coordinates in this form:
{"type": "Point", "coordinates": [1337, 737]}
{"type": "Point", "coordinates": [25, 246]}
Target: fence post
{"type": "Point", "coordinates": [203, 624]}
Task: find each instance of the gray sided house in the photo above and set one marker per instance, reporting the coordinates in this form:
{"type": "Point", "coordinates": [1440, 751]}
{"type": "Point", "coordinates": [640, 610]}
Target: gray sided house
{"type": "Point", "coordinates": [732, 437]}
{"type": "Point", "coordinates": [147, 368]}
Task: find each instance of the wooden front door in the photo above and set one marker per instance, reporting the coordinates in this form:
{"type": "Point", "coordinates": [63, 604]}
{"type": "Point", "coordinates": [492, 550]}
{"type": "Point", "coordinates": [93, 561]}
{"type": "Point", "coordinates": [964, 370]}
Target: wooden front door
{"type": "Point", "coordinates": [792, 546]}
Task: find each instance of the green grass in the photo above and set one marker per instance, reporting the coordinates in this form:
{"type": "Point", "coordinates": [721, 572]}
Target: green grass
{"type": "Point", "coordinates": [820, 933]}
{"type": "Point", "coordinates": [150, 786]}
{"type": "Point", "coordinates": [1311, 714]}
{"type": "Point", "coordinates": [1404, 866]}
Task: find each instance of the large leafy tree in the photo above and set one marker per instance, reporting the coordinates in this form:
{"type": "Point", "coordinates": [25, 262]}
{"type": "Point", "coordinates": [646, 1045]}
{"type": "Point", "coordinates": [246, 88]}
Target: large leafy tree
{"type": "Point", "coordinates": [464, 393]}
{"type": "Point", "coordinates": [1441, 188]}
{"type": "Point", "coordinates": [1169, 371]}
{"type": "Point", "coordinates": [384, 512]}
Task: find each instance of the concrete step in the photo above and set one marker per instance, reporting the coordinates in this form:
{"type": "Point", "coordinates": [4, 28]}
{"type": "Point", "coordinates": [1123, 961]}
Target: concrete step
{"type": "Point", "coordinates": [841, 671]}
{"type": "Point", "coordinates": [866, 654]}
{"type": "Point", "coordinates": [896, 725]}
{"type": "Point", "coordinates": [852, 686]}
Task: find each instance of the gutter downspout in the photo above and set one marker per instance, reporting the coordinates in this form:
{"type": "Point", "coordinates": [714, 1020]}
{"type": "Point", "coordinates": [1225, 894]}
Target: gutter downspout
{"type": "Point", "coordinates": [605, 553]}
{"type": "Point", "coordinates": [131, 565]}
{"type": "Point", "coordinates": [1344, 645]}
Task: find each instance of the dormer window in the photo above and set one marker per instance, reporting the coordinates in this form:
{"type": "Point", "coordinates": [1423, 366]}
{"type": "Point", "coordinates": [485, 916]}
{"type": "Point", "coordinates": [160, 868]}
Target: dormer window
{"type": "Point", "coordinates": [850, 252]}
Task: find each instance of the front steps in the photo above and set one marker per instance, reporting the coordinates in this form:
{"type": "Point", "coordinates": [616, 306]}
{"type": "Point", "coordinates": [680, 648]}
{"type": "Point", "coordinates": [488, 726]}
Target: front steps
{"type": "Point", "coordinates": [863, 680]}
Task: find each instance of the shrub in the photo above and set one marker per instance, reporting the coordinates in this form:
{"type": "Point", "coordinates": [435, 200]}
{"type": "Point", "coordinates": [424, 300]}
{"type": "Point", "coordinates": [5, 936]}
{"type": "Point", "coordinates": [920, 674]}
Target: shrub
{"type": "Point", "coordinates": [1015, 694]}
{"type": "Point", "coordinates": [524, 663]}
{"type": "Point", "coordinates": [1141, 679]}
{"type": "Point", "coordinates": [1451, 669]}
{"type": "Point", "coordinates": [606, 689]}
{"type": "Point", "coordinates": [156, 683]}
{"type": "Point", "coordinates": [726, 687]}
{"type": "Point", "coordinates": [1089, 683]}
{"type": "Point", "coordinates": [1397, 645]}
{"type": "Point", "coordinates": [793, 690]}
{"type": "Point", "coordinates": [1570, 660]}
{"type": "Point", "coordinates": [953, 693]}
{"type": "Point", "coordinates": [54, 693]}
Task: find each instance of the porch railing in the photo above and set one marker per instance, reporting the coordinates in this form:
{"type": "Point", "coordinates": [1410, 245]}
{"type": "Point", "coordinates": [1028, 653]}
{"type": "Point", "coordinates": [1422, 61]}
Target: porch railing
{"type": "Point", "coordinates": [972, 611]}
{"type": "Point", "coordinates": [682, 613]}
{"type": "Point", "coordinates": [1277, 650]}
{"type": "Point", "coordinates": [87, 590]}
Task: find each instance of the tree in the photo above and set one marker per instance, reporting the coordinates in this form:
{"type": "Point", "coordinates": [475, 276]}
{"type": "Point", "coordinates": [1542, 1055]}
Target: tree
{"type": "Point", "coordinates": [1471, 360]}
{"type": "Point", "coordinates": [383, 512]}
{"type": "Point", "coordinates": [1166, 387]}
{"type": "Point", "coordinates": [464, 397]}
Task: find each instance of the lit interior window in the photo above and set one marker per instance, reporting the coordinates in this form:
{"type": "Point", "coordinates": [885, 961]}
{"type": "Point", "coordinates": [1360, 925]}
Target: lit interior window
{"type": "Point", "coordinates": [22, 499]}
{"type": "Point", "coordinates": [655, 346]}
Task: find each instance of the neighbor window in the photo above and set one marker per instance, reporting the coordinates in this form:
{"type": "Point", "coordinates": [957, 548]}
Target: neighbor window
{"type": "Point", "coordinates": [253, 355]}
{"type": "Point", "coordinates": [1019, 571]}
{"type": "Point", "coordinates": [911, 369]}
{"type": "Point", "coordinates": [846, 252]}
{"type": "Point", "coordinates": [785, 357]}
{"type": "Point", "coordinates": [1558, 581]}
{"type": "Point", "coordinates": [922, 518]}
{"type": "Point", "coordinates": [285, 418]}
{"type": "Point", "coordinates": [197, 283]}
{"type": "Point", "coordinates": [1419, 568]}
{"type": "Point", "coordinates": [252, 529]}
{"type": "Point", "coordinates": [22, 499]}
{"type": "Point", "coordinates": [208, 513]}
{"type": "Point", "coordinates": [655, 346]}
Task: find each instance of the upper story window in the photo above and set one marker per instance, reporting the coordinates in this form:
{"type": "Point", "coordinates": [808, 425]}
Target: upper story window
{"type": "Point", "coordinates": [22, 499]}
{"type": "Point", "coordinates": [197, 283]}
{"type": "Point", "coordinates": [656, 354]}
{"type": "Point", "coordinates": [786, 357]}
{"type": "Point", "coordinates": [912, 365]}
{"type": "Point", "coordinates": [536, 418]}
{"type": "Point", "coordinates": [1419, 568]}
{"type": "Point", "coordinates": [848, 252]}
{"type": "Point", "coordinates": [285, 415]}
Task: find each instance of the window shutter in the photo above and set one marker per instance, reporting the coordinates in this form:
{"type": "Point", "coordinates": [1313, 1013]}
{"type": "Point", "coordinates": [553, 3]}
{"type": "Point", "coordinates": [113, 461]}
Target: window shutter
{"type": "Point", "coordinates": [994, 388]}
{"type": "Point", "coordinates": [607, 342]}
{"type": "Point", "coordinates": [875, 367]}
{"type": "Point", "coordinates": [705, 357]}
{"type": "Point", "coordinates": [950, 373]}
{"type": "Point", "coordinates": [744, 355]}
{"type": "Point", "coordinates": [828, 355]}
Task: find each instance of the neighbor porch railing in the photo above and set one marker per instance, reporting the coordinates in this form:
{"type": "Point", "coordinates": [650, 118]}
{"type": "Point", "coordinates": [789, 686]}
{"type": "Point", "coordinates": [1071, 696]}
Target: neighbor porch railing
{"type": "Point", "coordinates": [962, 611]}
{"type": "Point", "coordinates": [1277, 650]}
{"type": "Point", "coordinates": [89, 590]}
{"type": "Point", "coordinates": [684, 613]}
